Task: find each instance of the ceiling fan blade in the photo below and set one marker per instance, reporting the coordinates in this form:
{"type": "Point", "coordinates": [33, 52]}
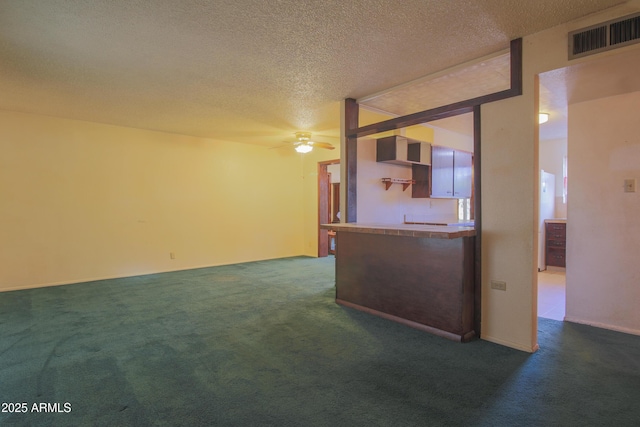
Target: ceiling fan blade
{"type": "Point", "coordinates": [279, 146]}
{"type": "Point", "coordinates": [325, 137]}
{"type": "Point", "coordinates": [323, 145]}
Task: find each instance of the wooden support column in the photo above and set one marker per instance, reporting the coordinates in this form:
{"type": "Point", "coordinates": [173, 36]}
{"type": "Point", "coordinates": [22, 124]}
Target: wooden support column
{"type": "Point", "coordinates": [477, 208]}
{"type": "Point", "coordinates": [351, 117]}
{"type": "Point", "coordinates": [516, 68]}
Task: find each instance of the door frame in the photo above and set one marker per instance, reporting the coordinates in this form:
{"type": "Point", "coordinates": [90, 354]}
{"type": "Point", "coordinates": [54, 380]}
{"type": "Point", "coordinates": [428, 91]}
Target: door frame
{"type": "Point", "coordinates": [324, 193]}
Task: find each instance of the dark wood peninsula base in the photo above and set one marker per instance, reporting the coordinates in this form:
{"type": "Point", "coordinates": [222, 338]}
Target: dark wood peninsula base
{"type": "Point", "coordinates": [421, 276]}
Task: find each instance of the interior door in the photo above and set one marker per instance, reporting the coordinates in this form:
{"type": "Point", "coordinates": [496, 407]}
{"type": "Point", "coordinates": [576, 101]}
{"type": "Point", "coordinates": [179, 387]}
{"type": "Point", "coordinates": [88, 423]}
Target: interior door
{"type": "Point", "coordinates": [324, 207]}
{"type": "Point", "coordinates": [335, 202]}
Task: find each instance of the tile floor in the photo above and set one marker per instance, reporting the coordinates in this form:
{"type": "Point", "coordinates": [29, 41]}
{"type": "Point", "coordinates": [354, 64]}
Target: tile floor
{"type": "Point", "coordinates": [551, 294]}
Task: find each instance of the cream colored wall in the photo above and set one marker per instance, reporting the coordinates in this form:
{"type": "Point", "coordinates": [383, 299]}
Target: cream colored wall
{"type": "Point", "coordinates": [508, 223]}
{"type": "Point", "coordinates": [603, 230]}
{"type": "Point", "coordinates": [509, 190]}
{"type": "Point", "coordinates": [84, 201]}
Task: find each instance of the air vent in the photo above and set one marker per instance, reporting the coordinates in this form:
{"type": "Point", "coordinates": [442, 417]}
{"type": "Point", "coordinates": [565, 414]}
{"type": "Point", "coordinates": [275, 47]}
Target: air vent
{"type": "Point", "coordinates": [624, 31]}
{"type": "Point", "coordinates": [606, 36]}
{"type": "Point", "coordinates": [586, 41]}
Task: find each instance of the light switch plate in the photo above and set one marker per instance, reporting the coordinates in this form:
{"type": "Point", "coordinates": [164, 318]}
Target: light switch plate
{"type": "Point", "coordinates": [499, 285]}
{"type": "Point", "coordinates": [630, 185]}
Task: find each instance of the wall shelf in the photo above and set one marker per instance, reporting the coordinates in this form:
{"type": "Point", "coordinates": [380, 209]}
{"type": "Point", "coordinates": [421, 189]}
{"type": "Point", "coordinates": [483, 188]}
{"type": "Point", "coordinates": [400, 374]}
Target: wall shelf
{"type": "Point", "coordinates": [405, 182]}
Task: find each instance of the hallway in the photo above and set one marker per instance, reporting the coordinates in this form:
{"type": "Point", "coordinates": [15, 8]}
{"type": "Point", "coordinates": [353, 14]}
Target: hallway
{"type": "Point", "coordinates": [551, 294]}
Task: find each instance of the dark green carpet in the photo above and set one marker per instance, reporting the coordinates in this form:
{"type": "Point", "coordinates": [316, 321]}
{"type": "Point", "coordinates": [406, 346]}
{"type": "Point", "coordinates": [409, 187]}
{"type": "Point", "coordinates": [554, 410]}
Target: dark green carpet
{"type": "Point", "coordinates": [264, 343]}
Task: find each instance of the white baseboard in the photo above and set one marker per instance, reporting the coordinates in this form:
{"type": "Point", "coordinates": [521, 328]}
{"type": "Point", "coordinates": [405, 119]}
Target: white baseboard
{"type": "Point", "coordinates": [602, 325]}
{"type": "Point", "coordinates": [147, 273]}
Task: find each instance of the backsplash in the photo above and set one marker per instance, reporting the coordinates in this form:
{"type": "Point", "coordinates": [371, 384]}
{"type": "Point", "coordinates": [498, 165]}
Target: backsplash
{"type": "Point", "coordinates": [377, 205]}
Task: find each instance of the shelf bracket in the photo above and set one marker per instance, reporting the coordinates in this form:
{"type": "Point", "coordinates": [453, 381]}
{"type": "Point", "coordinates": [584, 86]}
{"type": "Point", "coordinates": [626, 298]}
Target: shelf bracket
{"type": "Point", "coordinates": [405, 182]}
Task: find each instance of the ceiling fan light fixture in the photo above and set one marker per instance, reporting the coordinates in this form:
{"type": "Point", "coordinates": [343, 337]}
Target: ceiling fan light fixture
{"type": "Point", "coordinates": [303, 148]}
{"type": "Point", "coordinates": [543, 118]}
{"type": "Point", "coordinates": [303, 136]}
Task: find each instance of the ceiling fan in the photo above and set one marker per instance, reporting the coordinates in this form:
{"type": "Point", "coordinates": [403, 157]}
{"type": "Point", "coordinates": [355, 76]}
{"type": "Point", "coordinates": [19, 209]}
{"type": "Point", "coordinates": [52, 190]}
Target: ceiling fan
{"type": "Point", "coordinates": [304, 144]}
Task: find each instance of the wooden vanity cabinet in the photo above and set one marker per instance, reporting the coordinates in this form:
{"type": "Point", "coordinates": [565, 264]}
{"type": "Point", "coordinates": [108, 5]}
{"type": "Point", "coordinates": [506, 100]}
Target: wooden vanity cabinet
{"type": "Point", "coordinates": [555, 244]}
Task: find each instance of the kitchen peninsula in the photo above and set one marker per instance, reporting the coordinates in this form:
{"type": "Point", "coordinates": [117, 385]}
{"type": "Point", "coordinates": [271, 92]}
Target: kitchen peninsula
{"type": "Point", "coordinates": [418, 275]}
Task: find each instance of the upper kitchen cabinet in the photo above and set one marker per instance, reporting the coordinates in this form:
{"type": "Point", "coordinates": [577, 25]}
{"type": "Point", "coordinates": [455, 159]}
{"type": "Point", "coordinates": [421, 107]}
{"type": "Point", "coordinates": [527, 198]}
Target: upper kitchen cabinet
{"type": "Point", "coordinates": [462, 174]}
{"type": "Point", "coordinates": [451, 173]}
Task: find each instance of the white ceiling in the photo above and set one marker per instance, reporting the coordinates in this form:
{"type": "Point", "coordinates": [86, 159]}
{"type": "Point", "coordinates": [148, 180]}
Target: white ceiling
{"type": "Point", "coordinates": [251, 71]}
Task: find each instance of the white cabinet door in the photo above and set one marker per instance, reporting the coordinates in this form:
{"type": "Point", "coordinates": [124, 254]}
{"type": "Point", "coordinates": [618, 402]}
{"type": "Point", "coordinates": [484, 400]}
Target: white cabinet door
{"type": "Point", "coordinates": [441, 172]}
{"type": "Point", "coordinates": [462, 174]}
{"type": "Point", "coordinates": [451, 173]}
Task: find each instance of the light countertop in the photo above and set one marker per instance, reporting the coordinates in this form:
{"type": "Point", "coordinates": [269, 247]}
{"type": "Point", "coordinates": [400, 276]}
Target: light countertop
{"type": "Point", "coordinates": [411, 230]}
{"type": "Point", "coordinates": [437, 220]}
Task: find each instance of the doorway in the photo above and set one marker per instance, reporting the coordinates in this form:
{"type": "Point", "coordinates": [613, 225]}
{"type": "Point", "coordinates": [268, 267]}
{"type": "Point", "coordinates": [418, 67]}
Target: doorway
{"type": "Point", "coordinates": [328, 204]}
{"type": "Point", "coordinates": [552, 200]}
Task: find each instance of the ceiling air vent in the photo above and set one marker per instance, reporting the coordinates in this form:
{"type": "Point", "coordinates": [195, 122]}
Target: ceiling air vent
{"type": "Point", "coordinates": [608, 35]}
{"type": "Point", "coordinates": [624, 31]}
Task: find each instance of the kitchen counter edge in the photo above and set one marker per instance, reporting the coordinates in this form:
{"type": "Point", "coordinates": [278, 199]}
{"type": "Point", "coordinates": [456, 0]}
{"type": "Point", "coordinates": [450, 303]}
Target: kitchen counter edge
{"type": "Point", "coordinates": [410, 230]}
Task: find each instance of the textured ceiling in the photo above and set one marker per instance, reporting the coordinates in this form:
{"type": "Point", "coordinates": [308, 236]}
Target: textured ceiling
{"type": "Point", "coordinates": [468, 81]}
{"type": "Point", "coordinates": [250, 71]}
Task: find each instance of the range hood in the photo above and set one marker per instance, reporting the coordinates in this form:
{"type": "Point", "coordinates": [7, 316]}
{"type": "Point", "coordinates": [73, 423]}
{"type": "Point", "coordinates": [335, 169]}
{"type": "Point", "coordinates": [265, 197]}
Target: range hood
{"type": "Point", "coordinates": [401, 150]}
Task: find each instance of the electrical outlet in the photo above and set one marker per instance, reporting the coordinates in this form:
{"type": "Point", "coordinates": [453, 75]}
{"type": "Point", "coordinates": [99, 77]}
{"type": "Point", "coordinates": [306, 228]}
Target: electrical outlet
{"type": "Point", "coordinates": [499, 285]}
{"type": "Point", "coordinates": [172, 255]}
{"type": "Point", "coordinates": [630, 185]}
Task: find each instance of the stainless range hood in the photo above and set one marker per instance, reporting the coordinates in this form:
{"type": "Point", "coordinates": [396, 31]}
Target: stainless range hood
{"type": "Point", "coordinates": [401, 150]}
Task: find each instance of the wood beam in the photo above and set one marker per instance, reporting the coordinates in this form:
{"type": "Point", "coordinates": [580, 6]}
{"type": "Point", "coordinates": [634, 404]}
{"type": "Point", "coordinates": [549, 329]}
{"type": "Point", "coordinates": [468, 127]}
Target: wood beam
{"type": "Point", "coordinates": [477, 208]}
{"type": "Point", "coordinates": [516, 68]}
{"type": "Point", "coordinates": [411, 119]}
{"type": "Point", "coordinates": [351, 117]}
